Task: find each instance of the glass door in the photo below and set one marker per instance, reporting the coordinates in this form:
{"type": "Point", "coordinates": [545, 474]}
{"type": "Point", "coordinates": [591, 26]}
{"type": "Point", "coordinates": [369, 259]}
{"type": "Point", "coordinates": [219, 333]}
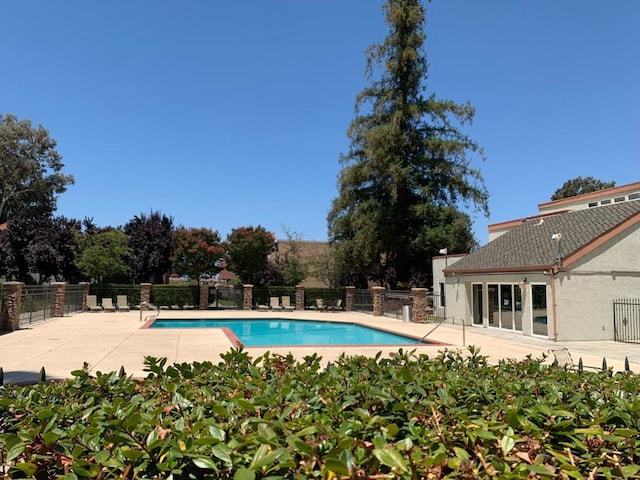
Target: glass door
{"type": "Point", "coordinates": [477, 304]}
{"type": "Point", "coordinates": [493, 295]}
{"type": "Point", "coordinates": [505, 306]}
{"type": "Point", "coordinates": [539, 303]}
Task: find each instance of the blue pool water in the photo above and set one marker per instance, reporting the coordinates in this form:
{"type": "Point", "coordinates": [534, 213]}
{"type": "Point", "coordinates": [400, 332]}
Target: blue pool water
{"type": "Point", "coordinates": [280, 332]}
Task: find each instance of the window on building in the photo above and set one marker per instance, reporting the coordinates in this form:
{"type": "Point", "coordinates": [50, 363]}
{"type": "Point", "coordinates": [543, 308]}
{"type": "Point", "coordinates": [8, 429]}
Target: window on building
{"type": "Point", "coordinates": [443, 303]}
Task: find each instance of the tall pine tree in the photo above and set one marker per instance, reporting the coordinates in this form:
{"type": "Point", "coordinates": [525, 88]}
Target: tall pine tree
{"type": "Point", "coordinates": [408, 168]}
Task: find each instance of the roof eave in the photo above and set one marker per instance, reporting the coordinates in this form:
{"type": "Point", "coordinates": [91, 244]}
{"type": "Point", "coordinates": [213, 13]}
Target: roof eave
{"type": "Point", "coordinates": [452, 272]}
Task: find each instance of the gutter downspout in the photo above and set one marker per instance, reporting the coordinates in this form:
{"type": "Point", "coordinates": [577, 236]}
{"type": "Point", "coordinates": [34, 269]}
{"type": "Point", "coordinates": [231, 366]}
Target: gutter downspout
{"type": "Point", "coordinates": [554, 272]}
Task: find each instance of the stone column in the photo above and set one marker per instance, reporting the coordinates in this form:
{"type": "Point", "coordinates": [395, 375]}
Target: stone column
{"type": "Point", "coordinates": [247, 297]}
{"type": "Point", "coordinates": [85, 292]}
{"type": "Point", "coordinates": [204, 297]}
{"type": "Point", "coordinates": [11, 304]}
{"type": "Point", "coordinates": [145, 296]}
{"type": "Point", "coordinates": [378, 301]}
{"type": "Point", "coordinates": [299, 297]}
{"type": "Point", "coordinates": [58, 301]}
{"type": "Point", "coordinates": [349, 297]}
{"type": "Point", "coordinates": [419, 305]}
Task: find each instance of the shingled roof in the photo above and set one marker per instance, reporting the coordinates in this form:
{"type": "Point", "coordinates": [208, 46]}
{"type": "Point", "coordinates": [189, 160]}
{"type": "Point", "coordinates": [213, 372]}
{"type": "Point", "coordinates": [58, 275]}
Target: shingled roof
{"type": "Point", "coordinates": [530, 245]}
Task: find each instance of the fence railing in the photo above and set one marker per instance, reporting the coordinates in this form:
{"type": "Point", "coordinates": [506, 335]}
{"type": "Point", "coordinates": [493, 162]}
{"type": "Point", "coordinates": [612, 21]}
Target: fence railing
{"type": "Point", "coordinates": [626, 320]}
{"type": "Point", "coordinates": [37, 302]}
{"type": "Point", "coordinates": [396, 300]}
{"type": "Point", "coordinates": [362, 300]}
{"type": "Point", "coordinates": [225, 297]}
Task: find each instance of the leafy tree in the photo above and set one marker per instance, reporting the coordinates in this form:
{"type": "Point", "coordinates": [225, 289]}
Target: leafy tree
{"type": "Point", "coordinates": [580, 185]}
{"type": "Point", "coordinates": [325, 267]}
{"type": "Point", "coordinates": [54, 250]}
{"type": "Point", "coordinates": [290, 262]}
{"type": "Point", "coordinates": [104, 256]}
{"type": "Point", "coordinates": [43, 246]}
{"type": "Point", "coordinates": [408, 156]}
{"type": "Point", "coordinates": [151, 246]}
{"type": "Point", "coordinates": [30, 169]}
{"type": "Point", "coordinates": [197, 252]}
{"type": "Point", "coordinates": [248, 249]}
{"type": "Point", "coordinates": [269, 276]}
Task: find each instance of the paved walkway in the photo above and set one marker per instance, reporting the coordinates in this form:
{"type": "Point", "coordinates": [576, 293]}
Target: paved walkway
{"type": "Point", "coordinates": [107, 341]}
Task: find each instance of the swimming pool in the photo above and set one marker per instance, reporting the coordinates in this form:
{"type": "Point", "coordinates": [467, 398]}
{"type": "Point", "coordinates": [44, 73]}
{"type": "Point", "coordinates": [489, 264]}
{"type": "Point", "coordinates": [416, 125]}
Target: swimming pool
{"type": "Point", "coordinates": [282, 332]}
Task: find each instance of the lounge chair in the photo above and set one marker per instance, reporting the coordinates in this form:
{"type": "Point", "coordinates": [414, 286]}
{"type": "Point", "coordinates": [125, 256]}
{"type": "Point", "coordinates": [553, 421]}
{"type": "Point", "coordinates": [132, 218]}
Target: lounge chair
{"type": "Point", "coordinates": [320, 304]}
{"type": "Point", "coordinates": [122, 303]}
{"type": "Point", "coordinates": [92, 304]}
{"type": "Point", "coordinates": [107, 305]}
{"type": "Point", "coordinates": [286, 304]}
{"type": "Point", "coordinates": [336, 307]}
{"type": "Point", "coordinates": [274, 303]}
{"type": "Point", "coordinates": [263, 307]}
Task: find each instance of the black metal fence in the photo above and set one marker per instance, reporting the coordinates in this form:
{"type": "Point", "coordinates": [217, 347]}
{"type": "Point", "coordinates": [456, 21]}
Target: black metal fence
{"type": "Point", "coordinates": [37, 303]}
{"type": "Point", "coordinates": [626, 320]}
{"type": "Point", "coordinates": [362, 300]}
{"type": "Point", "coordinates": [225, 297]}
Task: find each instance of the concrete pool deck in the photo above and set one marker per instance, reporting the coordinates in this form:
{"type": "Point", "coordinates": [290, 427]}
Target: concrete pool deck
{"type": "Point", "coordinates": [106, 341]}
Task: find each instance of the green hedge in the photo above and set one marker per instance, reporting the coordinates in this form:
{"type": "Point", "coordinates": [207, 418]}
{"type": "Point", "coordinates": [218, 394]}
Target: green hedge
{"type": "Point", "coordinates": [407, 417]}
{"type": "Point", "coordinates": [180, 295]}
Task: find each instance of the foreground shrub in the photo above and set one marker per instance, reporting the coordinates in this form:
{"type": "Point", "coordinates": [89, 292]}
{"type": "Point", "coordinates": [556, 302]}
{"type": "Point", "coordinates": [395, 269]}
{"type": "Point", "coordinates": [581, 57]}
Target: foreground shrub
{"type": "Point", "coordinates": [409, 416]}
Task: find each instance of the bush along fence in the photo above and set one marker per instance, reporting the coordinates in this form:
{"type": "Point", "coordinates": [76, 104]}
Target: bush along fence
{"type": "Point", "coordinates": [579, 368]}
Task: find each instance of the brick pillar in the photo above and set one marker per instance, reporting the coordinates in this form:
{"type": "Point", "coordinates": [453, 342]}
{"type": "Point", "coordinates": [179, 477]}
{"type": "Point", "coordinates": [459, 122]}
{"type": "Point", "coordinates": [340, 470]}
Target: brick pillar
{"type": "Point", "coordinates": [299, 297]}
{"type": "Point", "coordinates": [204, 297]}
{"type": "Point", "coordinates": [419, 305]}
{"type": "Point", "coordinates": [145, 296]}
{"type": "Point", "coordinates": [85, 292]}
{"type": "Point", "coordinates": [378, 301]}
{"type": "Point", "coordinates": [247, 297]}
{"type": "Point", "coordinates": [11, 303]}
{"type": "Point", "coordinates": [349, 297]}
{"type": "Point", "coordinates": [58, 301]}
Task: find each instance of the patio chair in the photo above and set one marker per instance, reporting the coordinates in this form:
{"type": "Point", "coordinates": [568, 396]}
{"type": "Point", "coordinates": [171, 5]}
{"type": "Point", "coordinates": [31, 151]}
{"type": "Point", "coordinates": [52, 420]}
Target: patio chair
{"type": "Point", "coordinates": [336, 307]}
{"type": "Point", "coordinates": [274, 303]}
{"type": "Point", "coordinates": [92, 304]}
{"type": "Point", "coordinates": [263, 307]}
{"type": "Point", "coordinates": [563, 358]}
{"type": "Point", "coordinates": [122, 303]}
{"type": "Point", "coordinates": [286, 304]}
{"type": "Point", "coordinates": [107, 305]}
{"type": "Point", "coordinates": [320, 304]}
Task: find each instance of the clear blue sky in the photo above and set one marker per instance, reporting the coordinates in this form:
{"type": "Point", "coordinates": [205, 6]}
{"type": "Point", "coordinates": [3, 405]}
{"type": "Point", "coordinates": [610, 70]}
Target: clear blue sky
{"type": "Point", "coordinates": [228, 114]}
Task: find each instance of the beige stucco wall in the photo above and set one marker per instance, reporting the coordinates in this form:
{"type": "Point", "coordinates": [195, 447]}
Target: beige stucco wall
{"type": "Point", "coordinates": [438, 264]}
{"type": "Point", "coordinates": [459, 292]}
{"type": "Point", "coordinates": [586, 292]}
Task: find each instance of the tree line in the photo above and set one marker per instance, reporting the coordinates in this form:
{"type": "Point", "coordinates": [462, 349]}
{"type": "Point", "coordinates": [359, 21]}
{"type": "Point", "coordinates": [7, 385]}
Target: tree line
{"type": "Point", "coordinates": [148, 248]}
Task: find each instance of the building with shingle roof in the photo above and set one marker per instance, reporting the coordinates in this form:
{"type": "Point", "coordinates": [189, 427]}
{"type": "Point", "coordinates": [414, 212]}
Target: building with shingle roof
{"type": "Point", "coordinates": [556, 274]}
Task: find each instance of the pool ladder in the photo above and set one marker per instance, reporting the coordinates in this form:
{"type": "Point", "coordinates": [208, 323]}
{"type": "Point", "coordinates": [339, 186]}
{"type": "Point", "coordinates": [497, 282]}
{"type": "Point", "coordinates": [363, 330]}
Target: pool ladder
{"type": "Point", "coordinates": [156, 315]}
{"type": "Point", "coordinates": [453, 319]}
